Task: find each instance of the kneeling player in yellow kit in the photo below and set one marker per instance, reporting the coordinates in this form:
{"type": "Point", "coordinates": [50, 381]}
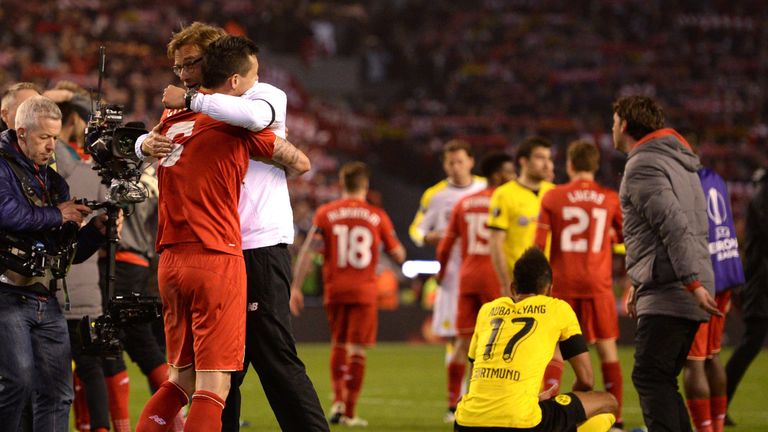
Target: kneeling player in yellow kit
{"type": "Point", "coordinates": [513, 341]}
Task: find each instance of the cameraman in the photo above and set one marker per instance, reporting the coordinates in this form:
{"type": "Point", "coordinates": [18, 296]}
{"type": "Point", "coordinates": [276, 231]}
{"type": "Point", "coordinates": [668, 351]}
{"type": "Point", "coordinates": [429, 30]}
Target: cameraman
{"type": "Point", "coordinates": [34, 202]}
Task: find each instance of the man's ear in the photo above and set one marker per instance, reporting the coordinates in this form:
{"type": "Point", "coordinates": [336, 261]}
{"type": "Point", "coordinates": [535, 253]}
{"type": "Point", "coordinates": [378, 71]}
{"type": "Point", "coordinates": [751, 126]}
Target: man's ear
{"type": "Point", "coordinates": [235, 80]}
{"type": "Point", "coordinates": [21, 133]}
{"type": "Point", "coordinates": [623, 126]}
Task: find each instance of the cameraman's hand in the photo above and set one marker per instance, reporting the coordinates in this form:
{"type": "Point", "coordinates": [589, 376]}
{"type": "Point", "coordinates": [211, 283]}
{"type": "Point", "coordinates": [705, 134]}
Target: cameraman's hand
{"type": "Point", "coordinates": [71, 211]}
{"type": "Point", "coordinates": [156, 144]}
{"type": "Point", "coordinates": [100, 223]}
{"type": "Point", "coordinates": [173, 97]}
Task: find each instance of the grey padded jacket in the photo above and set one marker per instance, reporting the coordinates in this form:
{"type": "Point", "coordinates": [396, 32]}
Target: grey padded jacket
{"type": "Point", "coordinates": [82, 279]}
{"type": "Point", "coordinates": [665, 226]}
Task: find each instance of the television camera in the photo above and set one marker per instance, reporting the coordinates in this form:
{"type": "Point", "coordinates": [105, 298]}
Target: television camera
{"type": "Point", "coordinates": [111, 146]}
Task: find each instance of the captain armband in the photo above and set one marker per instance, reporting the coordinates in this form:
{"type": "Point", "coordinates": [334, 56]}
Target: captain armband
{"type": "Point", "coordinates": [573, 346]}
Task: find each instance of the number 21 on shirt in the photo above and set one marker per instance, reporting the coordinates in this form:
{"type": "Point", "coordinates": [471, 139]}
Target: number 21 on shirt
{"type": "Point", "coordinates": [581, 220]}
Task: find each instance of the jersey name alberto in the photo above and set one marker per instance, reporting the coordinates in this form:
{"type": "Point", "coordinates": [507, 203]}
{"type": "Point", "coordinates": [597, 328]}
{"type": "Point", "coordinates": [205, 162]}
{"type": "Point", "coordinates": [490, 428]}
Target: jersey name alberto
{"type": "Point", "coordinates": [510, 348]}
{"type": "Point", "coordinates": [515, 209]}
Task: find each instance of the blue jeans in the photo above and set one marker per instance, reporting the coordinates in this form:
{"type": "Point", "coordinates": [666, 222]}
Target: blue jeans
{"type": "Point", "coordinates": [34, 361]}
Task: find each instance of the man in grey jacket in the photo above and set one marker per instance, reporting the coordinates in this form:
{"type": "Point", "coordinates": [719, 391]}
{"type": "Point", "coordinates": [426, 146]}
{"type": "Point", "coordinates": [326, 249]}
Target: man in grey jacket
{"type": "Point", "coordinates": [665, 232]}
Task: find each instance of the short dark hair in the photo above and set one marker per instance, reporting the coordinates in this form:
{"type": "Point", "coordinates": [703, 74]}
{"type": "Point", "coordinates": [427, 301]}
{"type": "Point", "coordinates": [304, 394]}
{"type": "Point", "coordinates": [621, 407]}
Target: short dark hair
{"type": "Point", "coordinates": [353, 176]}
{"type": "Point", "coordinates": [455, 145]}
{"type": "Point", "coordinates": [642, 114]}
{"type": "Point", "coordinates": [526, 147]}
{"type": "Point", "coordinates": [584, 156]}
{"type": "Point", "coordinates": [492, 163]}
{"type": "Point", "coordinates": [532, 272]}
{"type": "Point", "coordinates": [226, 56]}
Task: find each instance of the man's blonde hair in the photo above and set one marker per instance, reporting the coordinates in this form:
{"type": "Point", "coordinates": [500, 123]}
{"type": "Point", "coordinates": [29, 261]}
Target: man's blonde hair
{"type": "Point", "coordinates": [9, 96]}
{"type": "Point", "coordinates": [197, 33]}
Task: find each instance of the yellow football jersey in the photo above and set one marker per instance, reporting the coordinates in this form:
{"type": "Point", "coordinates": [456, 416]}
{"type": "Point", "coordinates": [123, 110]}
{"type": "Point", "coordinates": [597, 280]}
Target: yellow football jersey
{"type": "Point", "coordinates": [515, 209]}
{"type": "Point", "coordinates": [511, 347]}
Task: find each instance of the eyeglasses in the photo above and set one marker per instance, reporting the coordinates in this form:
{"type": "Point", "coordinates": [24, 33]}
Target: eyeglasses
{"type": "Point", "coordinates": [178, 69]}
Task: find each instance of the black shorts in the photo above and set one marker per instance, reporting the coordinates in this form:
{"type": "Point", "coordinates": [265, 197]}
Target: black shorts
{"type": "Point", "coordinates": [562, 413]}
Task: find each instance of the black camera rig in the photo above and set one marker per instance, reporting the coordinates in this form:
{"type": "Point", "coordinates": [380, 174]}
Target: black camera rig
{"type": "Point", "coordinates": [31, 256]}
{"type": "Point", "coordinates": [111, 146]}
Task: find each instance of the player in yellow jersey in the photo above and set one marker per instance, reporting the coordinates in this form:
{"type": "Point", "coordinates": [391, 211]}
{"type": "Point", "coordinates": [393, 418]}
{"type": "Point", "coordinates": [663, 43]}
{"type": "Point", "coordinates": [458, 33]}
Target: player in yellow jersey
{"type": "Point", "coordinates": [513, 216]}
{"type": "Point", "coordinates": [515, 206]}
{"type": "Point", "coordinates": [514, 340]}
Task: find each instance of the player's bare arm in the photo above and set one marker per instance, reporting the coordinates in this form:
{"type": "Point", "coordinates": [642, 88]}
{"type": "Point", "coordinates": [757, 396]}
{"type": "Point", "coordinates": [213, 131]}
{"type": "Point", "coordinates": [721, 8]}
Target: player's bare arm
{"type": "Point", "coordinates": [301, 269]}
{"type": "Point", "coordinates": [397, 254]}
{"type": "Point", "coordinates": [291, 158]}
{"type": "Point", "coordinates": [582, 368]}
{"type": "Point", "coordinates": [499, 260]}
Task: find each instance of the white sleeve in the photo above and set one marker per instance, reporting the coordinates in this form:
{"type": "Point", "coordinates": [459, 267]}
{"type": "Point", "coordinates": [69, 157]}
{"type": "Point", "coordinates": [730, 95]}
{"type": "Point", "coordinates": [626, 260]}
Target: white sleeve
{"type": "Point", "coordinates": [137, 147]}
{"type": "Point", "coordinates": [254, 114]}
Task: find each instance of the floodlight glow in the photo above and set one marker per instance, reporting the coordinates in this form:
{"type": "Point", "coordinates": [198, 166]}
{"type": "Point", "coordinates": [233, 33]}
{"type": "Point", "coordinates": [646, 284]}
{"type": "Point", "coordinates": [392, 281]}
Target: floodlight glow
{"type": "Point", "coordinates": [413, 268]}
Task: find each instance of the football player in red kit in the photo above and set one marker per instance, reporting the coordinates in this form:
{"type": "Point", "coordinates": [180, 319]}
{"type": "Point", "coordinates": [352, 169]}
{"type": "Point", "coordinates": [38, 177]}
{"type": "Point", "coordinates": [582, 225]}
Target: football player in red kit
{"type": "Point", "coordinates": [582, 216]}
{"type": "Point", "coordinates": [352, 231]}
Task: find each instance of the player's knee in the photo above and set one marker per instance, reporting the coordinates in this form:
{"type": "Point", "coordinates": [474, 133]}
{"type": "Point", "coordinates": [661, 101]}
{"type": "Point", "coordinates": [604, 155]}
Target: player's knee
{"type": "Point", "coordinates": [183, 378]}
{"type": "Point", "coordinates": [356, 349]}
{"type": "Point", "coordinates": [610, 404]}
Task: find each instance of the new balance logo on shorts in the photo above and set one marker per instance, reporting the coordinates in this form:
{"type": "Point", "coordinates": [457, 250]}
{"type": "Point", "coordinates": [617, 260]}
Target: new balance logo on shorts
{"type": "Point", "coordinates": [157, 419]}
{"type": "Point", "coordinates": [252, 307]}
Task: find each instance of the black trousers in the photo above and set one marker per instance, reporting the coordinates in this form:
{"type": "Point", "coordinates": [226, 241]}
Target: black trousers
{"type": "Point", "coordinates": [89, 369]}
{"type": "Point", "coordinates": [662, 344]}
{"type": "Point", "coordinates": [755, 330]}
{"type": "Point", "coordinates": [271, 348]}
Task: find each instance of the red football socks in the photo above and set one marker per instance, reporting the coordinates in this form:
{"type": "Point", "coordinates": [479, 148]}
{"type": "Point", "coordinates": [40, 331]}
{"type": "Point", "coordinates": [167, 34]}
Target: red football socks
{"type": "Point", "coordinates": [119, 389]}
{"type": "Point", "coordinates": [700, 414]}
{"type": "Point", "coordinates": [157, 377]}
{"type": "Point", "coordinates": [205, 412]}
{"type": "Point", "coordinates": [80, 406]}
{"type": "Point", "coordinates": [553, 374]}
{"type": "Point", "coordinates": [613, 382]}
{"type": "Point", "coordinates": [162, 407]}
{"type": "Point", "coordinates": [455, 377]}
{"type": "Point", "coordinates": [354, 383]}
{"type": "Point", "coordinates": [338, 371]}
{"type": "Point", "coordinates": [718, 407]}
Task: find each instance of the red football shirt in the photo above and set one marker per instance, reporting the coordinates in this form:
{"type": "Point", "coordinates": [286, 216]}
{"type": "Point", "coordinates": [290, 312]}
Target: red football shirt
{"type": "Point", "coordinates": [352, 231]}
{"type": "Point", "coordinates": [580, 215]}
{"type": "Point", "coordinates": [469, 222]}
{"type": "Point", "coordinates": [200, 180]}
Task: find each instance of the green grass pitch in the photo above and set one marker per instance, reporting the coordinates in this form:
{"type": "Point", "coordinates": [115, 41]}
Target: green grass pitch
{"type": "Point", "coordinates": [404, 390]}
